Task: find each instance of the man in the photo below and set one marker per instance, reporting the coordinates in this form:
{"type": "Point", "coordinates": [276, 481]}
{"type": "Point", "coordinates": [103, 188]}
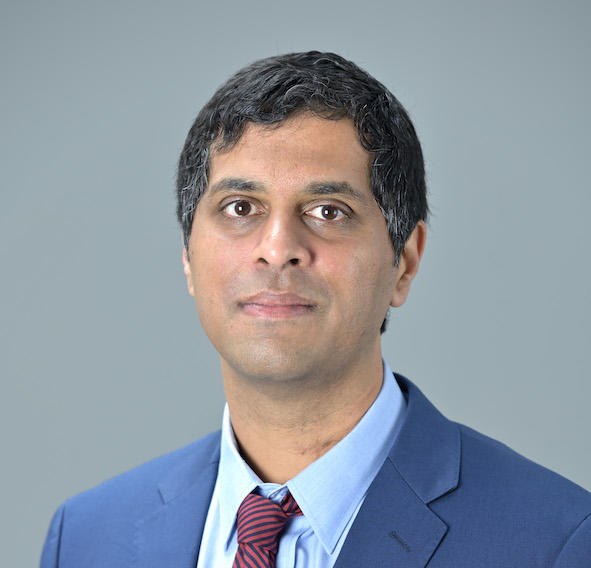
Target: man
{"type": "Point", "coordinates": [302, 201]}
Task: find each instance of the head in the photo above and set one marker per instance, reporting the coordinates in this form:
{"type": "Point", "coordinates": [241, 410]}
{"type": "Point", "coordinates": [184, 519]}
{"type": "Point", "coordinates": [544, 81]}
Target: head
{"type": "Point", "coordinates": [271, 90]}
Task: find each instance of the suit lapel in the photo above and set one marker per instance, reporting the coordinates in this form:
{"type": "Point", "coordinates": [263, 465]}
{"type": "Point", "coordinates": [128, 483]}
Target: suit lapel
{"type": "Point", "coordinates": [395, 526]}
{"type": "Point", "coordinates": [171, 535]}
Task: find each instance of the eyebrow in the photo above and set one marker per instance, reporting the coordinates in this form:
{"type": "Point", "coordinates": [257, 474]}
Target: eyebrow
{"type": "Point", "coordinates": [313, 188]}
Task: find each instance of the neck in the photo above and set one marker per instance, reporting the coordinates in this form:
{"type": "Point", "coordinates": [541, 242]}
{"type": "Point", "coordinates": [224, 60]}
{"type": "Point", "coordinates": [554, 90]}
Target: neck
{"type": "Point", "coordinates": [283, 427]}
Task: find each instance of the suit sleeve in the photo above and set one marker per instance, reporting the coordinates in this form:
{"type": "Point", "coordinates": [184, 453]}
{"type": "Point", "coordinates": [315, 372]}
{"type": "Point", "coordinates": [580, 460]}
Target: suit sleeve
{"type": "Point", "coordinates": [51, 548]}
{"type": "Point", "coordinates": [576, 553]}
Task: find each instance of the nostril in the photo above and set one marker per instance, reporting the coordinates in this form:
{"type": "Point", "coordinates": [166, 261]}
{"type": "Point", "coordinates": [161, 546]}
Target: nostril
{"type": "Point", "coordinates": [294, 260]}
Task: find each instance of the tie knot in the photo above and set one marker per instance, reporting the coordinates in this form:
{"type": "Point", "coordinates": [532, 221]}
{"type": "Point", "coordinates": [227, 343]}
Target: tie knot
{"type": "Point", "coordinates": [260, 520]}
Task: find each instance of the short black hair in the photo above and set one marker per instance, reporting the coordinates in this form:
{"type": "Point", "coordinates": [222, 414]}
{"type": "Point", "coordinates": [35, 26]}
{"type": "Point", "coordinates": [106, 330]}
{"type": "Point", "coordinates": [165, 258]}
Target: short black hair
{"type": "Point", "coordinates": [270, 90]}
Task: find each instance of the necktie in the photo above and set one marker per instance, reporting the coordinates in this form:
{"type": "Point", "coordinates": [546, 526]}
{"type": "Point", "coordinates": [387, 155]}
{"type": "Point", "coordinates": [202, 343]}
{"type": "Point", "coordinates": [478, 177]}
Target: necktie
{"type": "Point", "coordinates": [260, 521]}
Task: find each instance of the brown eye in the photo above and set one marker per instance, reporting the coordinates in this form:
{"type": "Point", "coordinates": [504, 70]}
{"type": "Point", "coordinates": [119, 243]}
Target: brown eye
{"type": "Point", "coordinates": [241, 208]}
{"type": "Point", "coordinates": [327, 212]}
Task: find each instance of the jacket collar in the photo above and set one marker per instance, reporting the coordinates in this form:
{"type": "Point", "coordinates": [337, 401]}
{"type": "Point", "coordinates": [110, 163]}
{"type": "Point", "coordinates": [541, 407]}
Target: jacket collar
{"type": "Point", "coordinates": [394, 526]}
{"type": "Point", "coordinates": [427, 452]}
{"type": "Point", "coordinates": [171, 535]}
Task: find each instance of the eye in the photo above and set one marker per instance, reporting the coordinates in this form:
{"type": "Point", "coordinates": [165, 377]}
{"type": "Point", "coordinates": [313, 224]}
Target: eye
{"type": "Point", "coordinates": [238, 208]}
{"type": "Point", "coordinates": [328, 212]}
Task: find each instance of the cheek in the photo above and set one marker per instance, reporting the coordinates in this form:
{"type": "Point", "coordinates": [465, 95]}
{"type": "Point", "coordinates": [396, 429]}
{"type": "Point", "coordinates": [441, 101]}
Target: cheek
{"type": "Point", "coordinates": [206, 264]}
{"type": "Point", "coordinates": [218, 265]}
{"type": "Point", "coordinates": [349, 276]}
{"type": "Point", "coordinates": [360, 280]}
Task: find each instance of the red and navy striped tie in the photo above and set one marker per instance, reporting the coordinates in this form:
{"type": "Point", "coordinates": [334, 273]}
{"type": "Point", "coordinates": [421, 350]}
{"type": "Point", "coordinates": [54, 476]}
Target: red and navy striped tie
{"type": "Point", "coordinates": [260, 522]}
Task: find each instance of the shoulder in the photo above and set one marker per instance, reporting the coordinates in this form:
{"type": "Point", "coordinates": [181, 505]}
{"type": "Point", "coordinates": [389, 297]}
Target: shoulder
{"type": "Point", "coordinates": [140, 489]}
{"type": "Point", "coordinates": [511, 473]}
{"type": "Point", "coordinates": [500, 505]}
{"type": "Point", "coordinates": [100, 523]}
{"type": "Point", "coordinates": [496, 502]}
{"type": "Point", "coordinates": [485, 474]}
{"type": "Point", "coordinates": [519, 501]}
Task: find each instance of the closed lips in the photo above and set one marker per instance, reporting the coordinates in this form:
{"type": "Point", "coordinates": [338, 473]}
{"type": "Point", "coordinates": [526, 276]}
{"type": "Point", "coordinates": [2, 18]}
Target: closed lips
{"type": "Point", "coordinates": [270, 299]}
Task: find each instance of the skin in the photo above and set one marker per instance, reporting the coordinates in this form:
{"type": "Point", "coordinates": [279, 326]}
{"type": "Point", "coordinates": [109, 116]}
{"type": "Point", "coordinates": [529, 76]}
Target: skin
{"type": "Point", "coordinates": [297, 379]}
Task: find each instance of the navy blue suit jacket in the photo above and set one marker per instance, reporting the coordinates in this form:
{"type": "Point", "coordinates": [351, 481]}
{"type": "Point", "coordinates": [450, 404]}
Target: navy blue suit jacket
{"type": "Point", "coordinates": [447, 496]}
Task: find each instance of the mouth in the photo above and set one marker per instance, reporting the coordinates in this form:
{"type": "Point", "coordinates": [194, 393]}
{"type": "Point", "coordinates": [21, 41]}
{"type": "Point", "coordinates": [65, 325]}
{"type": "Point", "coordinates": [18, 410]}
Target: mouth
{"type": "Point", "coordinates": [269, 305]}
{"type": "Point", "coordinates": [275, 311]}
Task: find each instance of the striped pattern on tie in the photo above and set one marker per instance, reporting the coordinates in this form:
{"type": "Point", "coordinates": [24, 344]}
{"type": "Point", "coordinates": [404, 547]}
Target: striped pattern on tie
{"type": "Point", "coordinates": [260, 522]}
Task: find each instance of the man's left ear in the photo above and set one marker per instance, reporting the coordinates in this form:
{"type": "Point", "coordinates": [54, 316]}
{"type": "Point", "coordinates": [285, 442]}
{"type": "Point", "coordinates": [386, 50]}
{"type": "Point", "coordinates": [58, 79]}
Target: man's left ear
{"type": "Point", "coordinates": [408, 265]}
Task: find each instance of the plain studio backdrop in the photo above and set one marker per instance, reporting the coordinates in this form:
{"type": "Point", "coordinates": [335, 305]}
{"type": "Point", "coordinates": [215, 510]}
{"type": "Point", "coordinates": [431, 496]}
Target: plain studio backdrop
{"type": "Point", "coordinates": [104, 363]}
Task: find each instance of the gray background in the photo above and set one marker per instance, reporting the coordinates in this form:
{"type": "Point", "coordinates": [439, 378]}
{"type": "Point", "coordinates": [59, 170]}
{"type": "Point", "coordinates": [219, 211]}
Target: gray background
{"type": "Point", "coordinates": [104, 364]}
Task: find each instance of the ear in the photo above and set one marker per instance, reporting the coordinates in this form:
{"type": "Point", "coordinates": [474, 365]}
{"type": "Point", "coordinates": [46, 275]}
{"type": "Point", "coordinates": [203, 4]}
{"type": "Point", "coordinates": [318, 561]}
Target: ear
{"type": "Point", "coordinates": [187, 271]}
{"type": "Point", "coordinates": [409, 264]}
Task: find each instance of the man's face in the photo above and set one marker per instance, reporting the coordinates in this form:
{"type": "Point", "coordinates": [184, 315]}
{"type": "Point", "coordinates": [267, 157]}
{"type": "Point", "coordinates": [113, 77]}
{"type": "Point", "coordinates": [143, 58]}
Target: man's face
{"type": "Point", "coordinates": [292, 268]}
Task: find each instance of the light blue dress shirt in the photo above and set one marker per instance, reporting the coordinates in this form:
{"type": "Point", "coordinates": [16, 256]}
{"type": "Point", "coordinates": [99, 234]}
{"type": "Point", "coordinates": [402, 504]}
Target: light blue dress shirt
{"type": "Point", "coordinates": [330, 491]}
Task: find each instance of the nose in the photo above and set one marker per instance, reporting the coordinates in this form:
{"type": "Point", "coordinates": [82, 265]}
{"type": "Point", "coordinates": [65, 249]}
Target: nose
{"type": "Point", "coordinates": [282, 242]}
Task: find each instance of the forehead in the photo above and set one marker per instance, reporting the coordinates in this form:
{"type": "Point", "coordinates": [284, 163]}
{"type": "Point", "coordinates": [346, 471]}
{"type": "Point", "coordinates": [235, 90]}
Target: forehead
{"type": "Point", "coordinates": [301, 149]}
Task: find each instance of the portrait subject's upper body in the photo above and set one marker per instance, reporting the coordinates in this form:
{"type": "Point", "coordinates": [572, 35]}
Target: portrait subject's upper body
{"type": "Point", "coordinates": [316, 537]}
{"type": "Point", "coordinates": [302, 202]}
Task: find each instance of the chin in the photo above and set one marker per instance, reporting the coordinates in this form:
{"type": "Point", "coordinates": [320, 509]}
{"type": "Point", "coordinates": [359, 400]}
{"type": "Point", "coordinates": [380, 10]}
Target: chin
{"type": "Point", "coordinates": [268, 363]}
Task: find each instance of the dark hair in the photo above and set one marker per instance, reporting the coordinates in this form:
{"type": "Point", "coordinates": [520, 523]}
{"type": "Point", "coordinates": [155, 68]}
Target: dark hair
{"type": "Point", "coordinates": [327, 85]}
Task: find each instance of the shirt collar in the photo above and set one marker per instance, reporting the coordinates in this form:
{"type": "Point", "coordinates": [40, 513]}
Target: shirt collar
{"type": "Point", "coordinates": [350, 466]}
{"type": "Point", "coordinates": [235, 478]}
